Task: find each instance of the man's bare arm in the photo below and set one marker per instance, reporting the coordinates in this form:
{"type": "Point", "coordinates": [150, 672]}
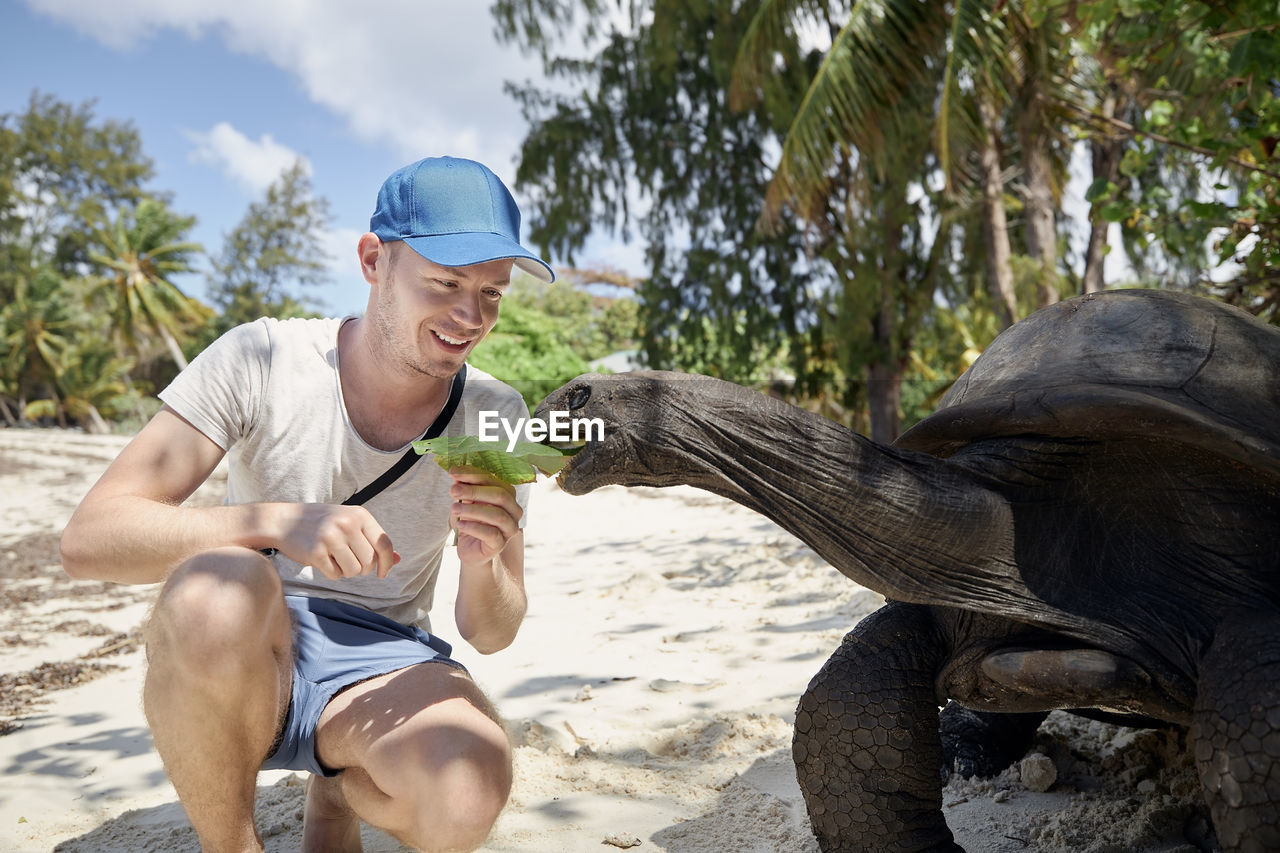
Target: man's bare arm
{"type": "Point", "coordinates": [131, 527]}
{"type": "Point", "coordinates": [491, 600]}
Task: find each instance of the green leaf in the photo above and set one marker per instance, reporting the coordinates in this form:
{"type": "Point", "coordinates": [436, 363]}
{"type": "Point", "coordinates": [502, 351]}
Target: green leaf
{"type": "Point", "coordinates": [1160, 113]}
{"type": "Point", "coordinates": [1103, 11]}
{"type": "Point", "coordinates": [549, 460]}
{"type": "Point", "coordinates": [1206, 210]}
{"type": "Point", "coordinates": [1257, 53]}
{"type": "Point", "coordinates": [520, 465]}
{"type": "Point", "coordinates": [1227, 248]}
{"type": "Point", "coordinates": [1099, 189]}
{"type": "Point", "coordinates": [1132, 163]}
{"type": "Point", "coordinates": [1037, 11]}
{"type": "Point", "coordinates": [1114, 211]}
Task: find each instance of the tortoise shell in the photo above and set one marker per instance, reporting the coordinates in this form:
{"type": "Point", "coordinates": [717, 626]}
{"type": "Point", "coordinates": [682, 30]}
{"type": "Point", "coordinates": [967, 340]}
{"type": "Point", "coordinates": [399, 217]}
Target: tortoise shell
{"type": "Point", "coordinates": [1122, 364]}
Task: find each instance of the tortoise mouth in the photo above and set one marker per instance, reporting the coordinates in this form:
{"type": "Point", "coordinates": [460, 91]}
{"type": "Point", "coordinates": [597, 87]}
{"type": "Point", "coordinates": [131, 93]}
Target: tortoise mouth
{"type": "Point", "coordinates": [568, 450]}
{"type": "Point", "coordinates": [576, 469]}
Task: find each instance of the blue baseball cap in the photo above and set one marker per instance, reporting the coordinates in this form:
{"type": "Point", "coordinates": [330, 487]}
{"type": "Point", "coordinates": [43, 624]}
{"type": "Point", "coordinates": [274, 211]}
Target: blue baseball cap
{"type": "Point", "coordinates": [454, 213]}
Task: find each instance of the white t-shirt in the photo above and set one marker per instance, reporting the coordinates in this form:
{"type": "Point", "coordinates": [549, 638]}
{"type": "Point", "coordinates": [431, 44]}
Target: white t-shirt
{"type": "Point", "coordinates": [269, 393]}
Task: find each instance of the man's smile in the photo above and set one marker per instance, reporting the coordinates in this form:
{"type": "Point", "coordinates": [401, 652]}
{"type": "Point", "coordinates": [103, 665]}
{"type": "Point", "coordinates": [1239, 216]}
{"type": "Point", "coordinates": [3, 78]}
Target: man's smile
{"type": "Point", "coordinates": [451, 342]}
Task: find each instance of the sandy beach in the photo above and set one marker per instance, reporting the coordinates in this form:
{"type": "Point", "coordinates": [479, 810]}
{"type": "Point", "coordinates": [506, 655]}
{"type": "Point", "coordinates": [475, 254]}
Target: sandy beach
{"type": "Point", "coordinates": [650, 693]}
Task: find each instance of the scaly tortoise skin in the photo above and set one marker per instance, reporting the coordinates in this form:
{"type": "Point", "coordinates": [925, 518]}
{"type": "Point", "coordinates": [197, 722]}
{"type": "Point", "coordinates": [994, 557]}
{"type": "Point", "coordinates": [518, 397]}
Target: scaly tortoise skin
{"type": "Point", "coordinates": [1088, 521]}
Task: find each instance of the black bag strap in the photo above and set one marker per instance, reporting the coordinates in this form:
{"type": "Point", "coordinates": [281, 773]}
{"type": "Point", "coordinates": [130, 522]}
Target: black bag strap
{"type": "Point", "coordinates": [404, 463]}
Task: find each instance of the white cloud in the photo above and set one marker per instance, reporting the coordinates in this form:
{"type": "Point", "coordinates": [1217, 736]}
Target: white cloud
{"type": "Point", "coordinates": [254, 165]}
{"type": "Point", "coordinates": [422, 76]}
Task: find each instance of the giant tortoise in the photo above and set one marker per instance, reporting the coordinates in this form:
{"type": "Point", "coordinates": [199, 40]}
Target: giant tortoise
{"type": "Point", "coordinates": [1090, 520]}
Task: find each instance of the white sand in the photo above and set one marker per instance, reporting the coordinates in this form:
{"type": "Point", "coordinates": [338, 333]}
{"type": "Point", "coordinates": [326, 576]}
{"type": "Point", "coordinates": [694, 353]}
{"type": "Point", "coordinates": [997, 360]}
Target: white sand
{"type": "Point", "coordinates": [650, 693]}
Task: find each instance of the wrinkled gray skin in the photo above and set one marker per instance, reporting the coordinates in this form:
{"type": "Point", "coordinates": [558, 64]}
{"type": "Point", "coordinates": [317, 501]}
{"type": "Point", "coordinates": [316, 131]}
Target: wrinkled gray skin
{"type": "Point", "coordinates": [1088, 521]}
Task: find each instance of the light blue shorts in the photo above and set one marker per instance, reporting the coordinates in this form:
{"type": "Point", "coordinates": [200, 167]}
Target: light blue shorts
{"type": "Point", "coordinates": [335, 645]}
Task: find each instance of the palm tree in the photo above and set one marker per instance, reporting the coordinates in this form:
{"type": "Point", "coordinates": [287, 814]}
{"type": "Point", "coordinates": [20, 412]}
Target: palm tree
{"type": "Point", "coordinates": [891, 61]}
{"type": "Point", "coordinates": [142, 250]}
{"type": "Point", "coordinates": [1042, 140]}
{"type": "Point", "coordinates": [33, 334]}
{"type": "Point", "coordinates": [93, 383]}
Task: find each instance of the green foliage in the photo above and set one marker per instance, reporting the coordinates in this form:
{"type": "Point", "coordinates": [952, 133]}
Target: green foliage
{"type": "Point", "coordinates": [62, 173]}
{"type": "Point", "coordinates": [35, 331]}
{"type": "Point", "coordinates": [515, 466]}
{"type": "Point", "coordinates": [93, 386]}
{"type": "Point", "coordinates": [619, 325]}
{"type": "Point", "coordinates": [864, 94]}
{"type": "Point", "coordinates": [864, 257]}
{"type": "Point", "coordinates": [273, 254]}
{"type": "Point", "coordinates": [83, 245]}
{"type": "Point", "coordinates": [649, 118]}
{"type": "Point", "coordinates": [591, 326]}
{"type": "Point", "coordinates": [532, 349]}
{"type": "Point", "coordinates": [830, 291]}
{"type": "Point", "coordinates": [1198, 182]}
{"type": "Point", "coordinates": [144, 247]}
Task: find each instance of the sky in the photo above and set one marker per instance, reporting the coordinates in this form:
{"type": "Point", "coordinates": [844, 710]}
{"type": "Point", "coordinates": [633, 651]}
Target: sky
{"type": "Point", "coordinates": [226, 94]}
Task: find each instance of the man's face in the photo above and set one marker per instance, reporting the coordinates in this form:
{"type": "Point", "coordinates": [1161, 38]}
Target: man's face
{"type": "Point", "coordinates": [430, 316]}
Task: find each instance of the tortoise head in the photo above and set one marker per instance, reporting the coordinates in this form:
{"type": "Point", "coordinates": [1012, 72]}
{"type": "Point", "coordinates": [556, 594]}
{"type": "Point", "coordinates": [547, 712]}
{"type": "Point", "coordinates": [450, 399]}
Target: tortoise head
{"type": "Point", "coordinates": [624, 411]}
{"type": "Point", "coordinates": [648, 426]}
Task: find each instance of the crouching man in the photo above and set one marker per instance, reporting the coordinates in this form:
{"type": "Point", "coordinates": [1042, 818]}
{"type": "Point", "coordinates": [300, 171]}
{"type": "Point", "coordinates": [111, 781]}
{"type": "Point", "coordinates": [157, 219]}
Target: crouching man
{"type": "Point", "coordinates": [292, 629]}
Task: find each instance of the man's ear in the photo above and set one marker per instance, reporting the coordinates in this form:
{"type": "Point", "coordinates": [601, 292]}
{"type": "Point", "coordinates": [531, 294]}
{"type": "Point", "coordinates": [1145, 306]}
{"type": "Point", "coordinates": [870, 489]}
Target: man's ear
{"type": "Point", "coordinates": [372, 253]}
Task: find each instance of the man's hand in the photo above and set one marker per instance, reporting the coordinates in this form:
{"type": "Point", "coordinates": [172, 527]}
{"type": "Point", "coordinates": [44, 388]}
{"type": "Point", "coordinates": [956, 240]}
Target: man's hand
{"type": "Point", "coordinates": [337, 541]}
{"type": "Point", "coordinates": [485, 514]}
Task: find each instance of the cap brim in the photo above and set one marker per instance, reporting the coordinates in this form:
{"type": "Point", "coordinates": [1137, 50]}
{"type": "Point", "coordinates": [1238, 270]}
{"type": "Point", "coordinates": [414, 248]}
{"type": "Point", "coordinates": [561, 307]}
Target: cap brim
{"type": "Point", "coordinates": [465, 249]}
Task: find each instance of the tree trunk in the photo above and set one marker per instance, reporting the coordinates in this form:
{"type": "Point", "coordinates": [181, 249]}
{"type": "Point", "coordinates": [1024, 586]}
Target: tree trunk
{"type": "Point", "coordinates": [1042, 233]}
{"type": "Point", "coordinates": [884, 397]}
{"type": "Point", "coordinates": [94, 423]}
{"type": "Point", "coordinates": [1106, 164]}
{"type": "Point", "coordinates": [7, 412]}
{"type": "Point", "coordinates": [60, 411]}
{"type": "Point", "coordinates": [175, 351]}
{"type": "Point", "coordinates": [995, 229]}
{"type": "Point", "coordinates": [884, 376]}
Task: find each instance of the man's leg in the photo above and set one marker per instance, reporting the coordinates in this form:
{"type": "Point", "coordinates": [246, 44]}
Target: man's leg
{"type": "Point", "coordinates": [422, 756]}
{"type": "Point", "coordinates": [218, 679]}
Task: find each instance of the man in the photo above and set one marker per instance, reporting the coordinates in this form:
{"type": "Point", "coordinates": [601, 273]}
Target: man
{"type": "Point", "coordinates": [291, 630]}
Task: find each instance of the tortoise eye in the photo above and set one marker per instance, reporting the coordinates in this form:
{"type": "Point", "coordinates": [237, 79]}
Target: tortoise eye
{"type": "Point", "coordinates": [579, 397]}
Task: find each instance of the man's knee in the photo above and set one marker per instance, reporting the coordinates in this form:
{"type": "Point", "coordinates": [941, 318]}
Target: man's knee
{"type": "Point", "coordinates": [216, 604]}
{"type": "Point", "coordinates": [470, 762]}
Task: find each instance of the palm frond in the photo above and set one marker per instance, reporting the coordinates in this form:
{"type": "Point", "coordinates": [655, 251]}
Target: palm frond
{"type": "Point", "coordinates": [877, 69]}
{"type": "Point", "coordinates": [772, 30]}
{"type": "Point", "coordinates": [950, 98]}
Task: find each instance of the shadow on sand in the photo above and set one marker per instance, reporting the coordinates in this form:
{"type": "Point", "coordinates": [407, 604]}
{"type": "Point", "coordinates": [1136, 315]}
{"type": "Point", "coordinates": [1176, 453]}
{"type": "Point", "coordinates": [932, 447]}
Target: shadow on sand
{"type": "Point", "coordinates": [165, 829]}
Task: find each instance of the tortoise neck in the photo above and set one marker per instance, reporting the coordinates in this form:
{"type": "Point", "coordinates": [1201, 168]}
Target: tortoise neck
{"type": "Point", "coordinates": [911, 526]}
{"type": "Point", "coordinates": [890, 519]}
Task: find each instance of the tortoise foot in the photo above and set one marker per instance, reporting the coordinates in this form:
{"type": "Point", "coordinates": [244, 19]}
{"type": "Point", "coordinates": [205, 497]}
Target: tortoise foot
{"type": "Point", "coordinates": [866, 742]}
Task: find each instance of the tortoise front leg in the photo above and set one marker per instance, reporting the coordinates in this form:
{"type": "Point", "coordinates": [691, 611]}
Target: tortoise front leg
{"type": "Point", "coordinates": [866, 745]}
{"type": "Point", "coordinates": [1236, 733]}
